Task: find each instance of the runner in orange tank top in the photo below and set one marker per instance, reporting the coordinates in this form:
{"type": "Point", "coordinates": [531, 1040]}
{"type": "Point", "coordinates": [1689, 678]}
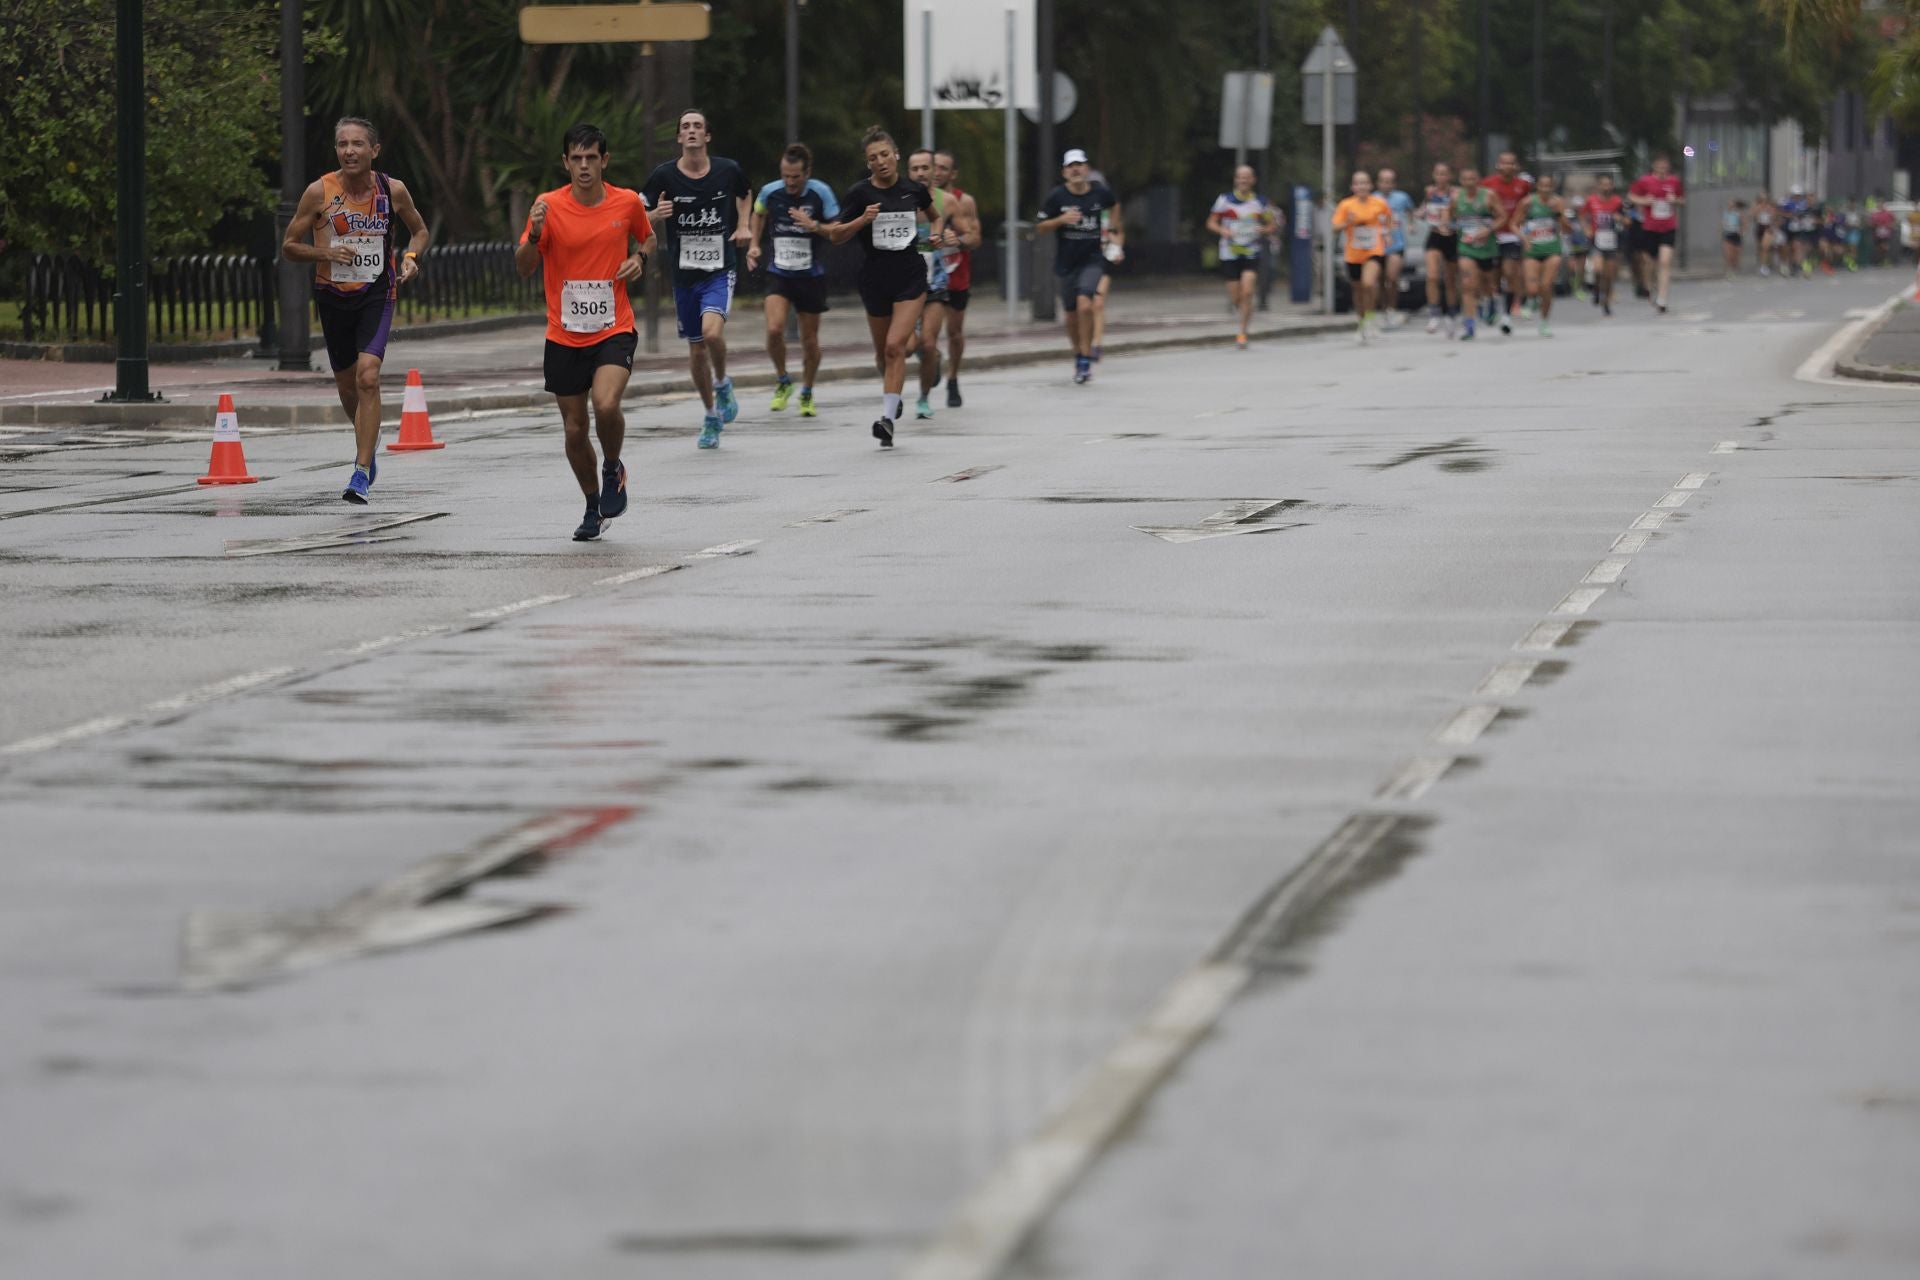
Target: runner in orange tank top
{"type": "Point", "coordinates": [345, 223]}
{"type": "Point", "coordinates": [1367, 221]}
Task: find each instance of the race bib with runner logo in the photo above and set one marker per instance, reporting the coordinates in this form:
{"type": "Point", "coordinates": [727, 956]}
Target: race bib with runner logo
{"type": "Point", "coordinates": [1606, 239]}
{"type": "Point", "coordinates": [1663, 209]}
{"type": "Point", "coordinates": [793, 253]}
{"type": "Point", "coordinates": [1365, 237]}
{"type": "Point", "coordinates": [586, 306]}
{"type": "Point", "coordinates": [702, 253]}
{"type": "Point", "coordinates": [894, 230]}
{"type": "Point", "coordinates": [369, 260]}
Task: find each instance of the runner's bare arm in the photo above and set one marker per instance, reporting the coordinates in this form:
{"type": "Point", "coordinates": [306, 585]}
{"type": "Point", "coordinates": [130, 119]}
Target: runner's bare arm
{"type": "Point", "coordinates": [1215, 225]}
{"type": "Point", "coordinates": [971, 238]}
{"type": "Point", "coordinates": [298, 245]}
{"type": "Point", "coordinates": [410, 214]}
{"type": "Point", "coordinates": [835, 232]}
{"type": "Point", "coordinates": [526, 254]}
{"type": "Point", "coordinates": [753, 249]}
{"type": "Point", "coordinates": [1118, 229]}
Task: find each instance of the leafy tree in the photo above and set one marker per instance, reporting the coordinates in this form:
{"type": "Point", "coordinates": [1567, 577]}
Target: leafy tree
{"type": "Point", "coordinates": [212, 118]}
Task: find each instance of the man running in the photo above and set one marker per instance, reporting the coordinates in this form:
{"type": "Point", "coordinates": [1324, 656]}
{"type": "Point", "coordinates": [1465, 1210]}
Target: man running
{"type": "Point", "coordinates": [1660, 196]}
{"type": "Point", "coordinates": [1605, 218]}
{"type": "Point", "coordinates": [1368, 223]}
{"type": "Point", "coordinates": [344, 222]}
{"type": "Point", "coordinates": [1443, 250]}
{"type": "Point", "coordinates": [933, 316]}
{"type": "Point", "coordinates": [705, 198]}
{"type": "Point", "coordinates": [797, 275]}
{"type": "Point", "coordinates": [589, 239]}
{"type": "Point", "coordinates": [1509, 187]}
{"type": "Point", "coordinates": [1402, 205]}
{"type": "Point", "coordinates": [1074, 210]}
{"type": "Point", "coordinates": [965, 224]}
{"type": "Point", "coordinates": [1246, 223]}
{"type": "Point", "coordinates": [1476, 213]}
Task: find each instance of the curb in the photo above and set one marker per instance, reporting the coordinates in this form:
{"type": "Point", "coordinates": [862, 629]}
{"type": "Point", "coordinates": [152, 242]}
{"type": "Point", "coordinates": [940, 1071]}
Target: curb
{"type": "Point", "coordinates": [327, 413]}
{"type": "Point", "coordinates": [1847, 367]}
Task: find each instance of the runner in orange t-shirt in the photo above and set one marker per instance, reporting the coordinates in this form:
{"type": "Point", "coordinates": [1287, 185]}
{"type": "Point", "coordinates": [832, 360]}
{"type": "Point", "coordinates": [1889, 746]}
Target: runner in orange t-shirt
{"type": "Point", "coordinates": [1368, 223]}
{"type": "Point", "coordinates": [589, 239]}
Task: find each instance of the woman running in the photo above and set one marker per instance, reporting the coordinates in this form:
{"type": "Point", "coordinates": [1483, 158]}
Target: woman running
{"type": "Point", "coordinates": [1443, 250]}
{"type": "Point", "coordinates": [885, 211]}
{"type": "Point", "coordinates": [1474, 214]}
{"type": "Point", "coordinates": [1543, 223]}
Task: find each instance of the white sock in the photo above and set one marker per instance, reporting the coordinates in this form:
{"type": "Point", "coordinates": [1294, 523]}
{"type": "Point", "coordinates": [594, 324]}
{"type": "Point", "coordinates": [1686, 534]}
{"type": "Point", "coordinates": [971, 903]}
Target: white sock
{"type": "Point", "coordinates": [890, 407]}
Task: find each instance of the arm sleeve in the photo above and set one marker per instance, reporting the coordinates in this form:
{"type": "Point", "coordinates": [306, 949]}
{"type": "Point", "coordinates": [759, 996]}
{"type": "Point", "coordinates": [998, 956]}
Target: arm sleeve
{"type": "Point", "coordinates": [848, 210]}
{"type": "Point", "coordinates": [760, 201]}
{"type": "Point", "coordinates": [653, 190]}
{"type": "Point", "coordinates": [924, 199]}
{"type": "Point", "coordinates": [737, 184]}
{"type": "Point", "coordinates": [828, 204]}
{"type": "Point", "coordinates": [640, 226]}
{"type": "Point", "coordinates": [1220, 205]}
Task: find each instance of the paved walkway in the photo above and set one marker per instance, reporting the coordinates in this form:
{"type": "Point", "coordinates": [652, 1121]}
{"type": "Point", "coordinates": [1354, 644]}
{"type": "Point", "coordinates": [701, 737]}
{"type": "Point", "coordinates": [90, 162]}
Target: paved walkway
{"type": "Point", "coordinates": [500, 368]}
{"type": "Point", "coordinates": [1891, 351]}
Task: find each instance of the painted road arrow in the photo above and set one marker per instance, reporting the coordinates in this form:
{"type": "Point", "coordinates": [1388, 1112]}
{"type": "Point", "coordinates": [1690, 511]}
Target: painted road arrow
{"type": "Point", "coordinates": [228, 950]}
{"type": "Point", "coordinates": [1241, 517]}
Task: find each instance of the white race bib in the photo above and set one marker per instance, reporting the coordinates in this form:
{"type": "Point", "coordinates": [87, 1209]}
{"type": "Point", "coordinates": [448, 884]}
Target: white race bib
{"type": "Point", "coordinates": [1364, 237]}
{"type": "Point", "coordinates": [1606, 239]}
{"type": "Point", "coordinates": [586, 306]}
{"type": "Point", "coordinates": [894, 230]}
{"type": "Point", "coordinates": [1662, 209]}
{"type": "Point", "coordinates": [369, 260]}
{"type": "Point", "coordinates": [1543, 229]}
{"type": "Point", "coordinates": [793, 253]}
{"type": "Point", "coordinates": [702, 253]}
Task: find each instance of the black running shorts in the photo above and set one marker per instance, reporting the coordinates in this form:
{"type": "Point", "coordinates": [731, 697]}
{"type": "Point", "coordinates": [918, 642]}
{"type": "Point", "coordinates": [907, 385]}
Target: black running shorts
{"type": "Point", "coordinates": [570, 370]}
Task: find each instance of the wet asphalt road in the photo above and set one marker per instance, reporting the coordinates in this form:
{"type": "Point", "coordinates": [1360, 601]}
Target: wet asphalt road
{"type": "Point", "coordinates": [911, 781]}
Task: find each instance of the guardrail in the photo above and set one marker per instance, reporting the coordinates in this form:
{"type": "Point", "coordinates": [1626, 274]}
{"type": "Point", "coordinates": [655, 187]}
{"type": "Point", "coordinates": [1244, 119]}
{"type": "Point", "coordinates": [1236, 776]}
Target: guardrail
{"type": "Point", "coordinates": [211, 297]}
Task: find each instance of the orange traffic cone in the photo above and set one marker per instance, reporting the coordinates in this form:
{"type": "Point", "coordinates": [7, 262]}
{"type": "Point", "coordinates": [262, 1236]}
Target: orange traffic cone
{"type": "Point", "coordinates": [229, 463]}
{"type": "Point", "coordinates": [416, 429]}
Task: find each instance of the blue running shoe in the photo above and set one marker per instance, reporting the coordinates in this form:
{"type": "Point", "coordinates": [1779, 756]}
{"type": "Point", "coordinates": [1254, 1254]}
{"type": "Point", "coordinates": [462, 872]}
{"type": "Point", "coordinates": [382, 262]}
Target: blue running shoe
{"type": "Point", "coordinates": [373, 463]}
{"type": "Point", "coordinates": [356, 490]}
{"type": "Point", "coordinates": [589, 524]}
{"type": "Point", "coordinates": [710, 433]}
{"type": "Point", "coordinates": [613, 490]}
{"type": "Point", "coordinates": [1082, 369]}
{"type": "Point", "coordinates": [724, 401]}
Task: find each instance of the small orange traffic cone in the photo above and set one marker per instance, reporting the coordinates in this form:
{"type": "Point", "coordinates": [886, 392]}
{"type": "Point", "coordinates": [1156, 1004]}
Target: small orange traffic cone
{"type": "Point", "coordinates": [229, 462]}
{"type": "Point", "coordinates": [416, 429]}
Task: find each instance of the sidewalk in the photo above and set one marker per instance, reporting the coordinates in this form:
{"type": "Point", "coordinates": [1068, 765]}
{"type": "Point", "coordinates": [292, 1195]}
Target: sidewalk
{"type": "Point", "coordinates": [501, 369]}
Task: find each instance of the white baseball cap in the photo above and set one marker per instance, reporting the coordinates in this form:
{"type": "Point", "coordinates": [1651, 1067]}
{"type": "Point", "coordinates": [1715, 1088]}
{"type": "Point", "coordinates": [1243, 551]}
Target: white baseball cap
{"type": "Point", "coordinates": [1075, 156]}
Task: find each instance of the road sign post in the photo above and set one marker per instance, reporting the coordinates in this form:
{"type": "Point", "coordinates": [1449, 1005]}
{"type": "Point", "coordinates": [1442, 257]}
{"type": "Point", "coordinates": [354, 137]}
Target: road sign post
{"type": "Point", "coordinates": [1328, 97]}
{"type": "Point", "coordinates": [1246, 112]}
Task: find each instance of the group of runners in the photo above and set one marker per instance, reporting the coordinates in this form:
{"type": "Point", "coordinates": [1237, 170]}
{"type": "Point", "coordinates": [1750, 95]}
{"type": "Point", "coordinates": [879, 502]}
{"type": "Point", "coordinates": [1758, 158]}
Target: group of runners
{"type": "Point", "coordinates": [1799, 234]}
{"type": "Point", "coordinates": [589, 239]}
{"type": "Point", "coordinates": [1496, 243]}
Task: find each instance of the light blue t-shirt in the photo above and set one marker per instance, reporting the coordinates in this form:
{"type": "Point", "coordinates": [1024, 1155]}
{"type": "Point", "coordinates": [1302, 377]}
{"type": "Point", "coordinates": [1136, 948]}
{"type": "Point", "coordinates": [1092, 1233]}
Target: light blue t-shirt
{"type": "Point", "coordinates": [1402, 205]}
{"type": "Point", "coordinates": [789, 246]}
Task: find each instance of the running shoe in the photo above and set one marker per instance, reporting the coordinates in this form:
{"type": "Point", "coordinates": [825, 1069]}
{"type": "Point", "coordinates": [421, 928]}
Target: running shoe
{"type": "Point", "coordinates": [806, 405]}
{"type": "Point", "coordinates": [883, 432]}
{"type": "Point", "coordinates": [1546, 330]}
{"type": "Point", "coordinates": [724, 401]}
{"type": "Point", "coordinates": [1360, 332]}
{"type": "Point", "coordinates": [356, 490]}
{"type": "Point", "coordinates": [923, 409]}
{"type": "Point", "coordinates": [1433, 324]}
{"type": "Point", "coordinates": [1662, 306]}
{"type": "Point", "coordinates": [1240, 341]}
{"type": "Point", "coordinates": [1466, 333]}
{"type": "Point", "coordinates": [1452, 327]}
{"type": "Point", "coordinates": [1095, 357]}
{"type": "Point", "coordinates": [589, 524]}
{"type": "Point", "coordinates": [1082, 369]}
{"type": "Point", "coordinates": [1606, 308]}
{"type": "Point", "coordinates": [953, 393]}
{"type": "Point", "coordinates": [710, 432]}
{"type": "Point", "coordinates": [373, 463]}
{"type": "Point", "coordinates": [782, 394]}
{"type": "Point", "coordinates": [613, 490]}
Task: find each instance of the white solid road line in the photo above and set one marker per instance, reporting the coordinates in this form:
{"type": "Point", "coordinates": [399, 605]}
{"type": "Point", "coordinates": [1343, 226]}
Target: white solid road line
{"type": "Point", "coordinates": [1607, 572]}
{"type": "Point", "coordinates": [1508, 678]}
{"type": "Point", "coordinates": [1467, 725]}
{"type": "Point", "coordinates": [1725, 446]}
{"type": "Point", "coordinates": [1579, 600]}
{"type": "Point", "coordinates": [635, 575]}
{"type": "Point", "coordinates": [1543, 637]}
{"type": "Point", "coordinates": [739, 548]}
{"type": "Point", "coordinates": [1414, 779]}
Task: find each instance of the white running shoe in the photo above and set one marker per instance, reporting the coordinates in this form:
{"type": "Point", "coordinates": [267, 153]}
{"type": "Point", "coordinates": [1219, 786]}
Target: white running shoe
{"type": "Point", "coordinates": [1433, 324]}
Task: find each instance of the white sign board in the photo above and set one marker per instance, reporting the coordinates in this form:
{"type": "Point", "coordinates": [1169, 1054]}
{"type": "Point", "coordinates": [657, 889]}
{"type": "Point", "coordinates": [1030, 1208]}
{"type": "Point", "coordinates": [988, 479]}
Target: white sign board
{"type": "Point", "coordinates": [1246, 110]}
{"type": "Point", "coordinates": [970, 54]}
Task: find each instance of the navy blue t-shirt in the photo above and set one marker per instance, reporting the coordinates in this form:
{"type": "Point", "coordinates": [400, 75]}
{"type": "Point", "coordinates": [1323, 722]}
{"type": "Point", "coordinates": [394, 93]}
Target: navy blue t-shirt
{"type": "Point", "coordinates": [791, 251]}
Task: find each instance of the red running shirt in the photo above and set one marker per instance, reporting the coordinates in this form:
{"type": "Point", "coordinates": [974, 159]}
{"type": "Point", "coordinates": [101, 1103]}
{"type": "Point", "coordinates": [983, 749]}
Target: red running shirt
{"type": "Point", "coordinates": [1662, 214]}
